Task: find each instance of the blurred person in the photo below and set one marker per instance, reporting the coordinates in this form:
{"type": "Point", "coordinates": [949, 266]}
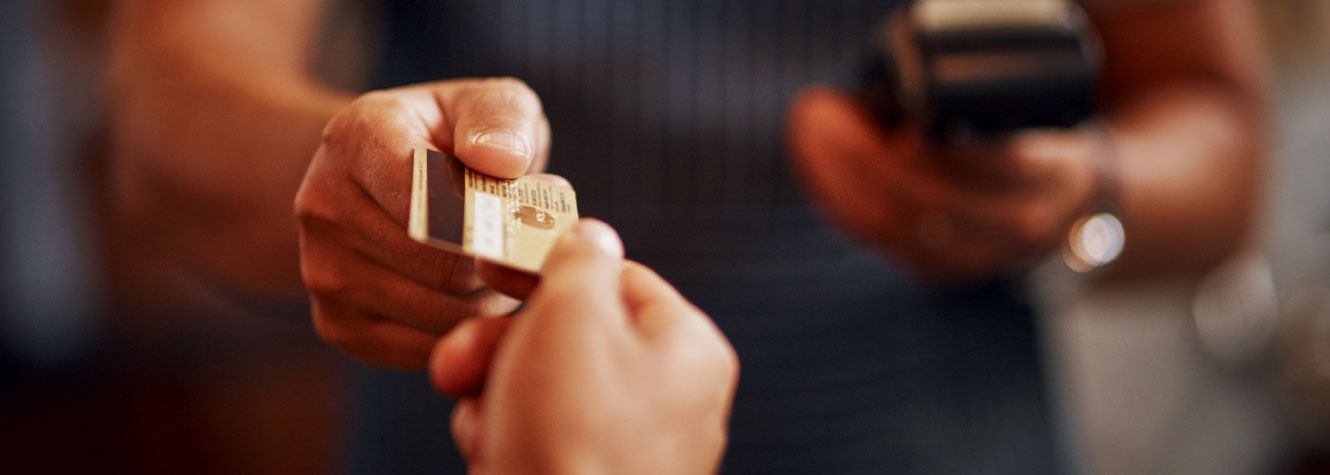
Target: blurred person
{"type": "Point", "coordinates": [669, 117]}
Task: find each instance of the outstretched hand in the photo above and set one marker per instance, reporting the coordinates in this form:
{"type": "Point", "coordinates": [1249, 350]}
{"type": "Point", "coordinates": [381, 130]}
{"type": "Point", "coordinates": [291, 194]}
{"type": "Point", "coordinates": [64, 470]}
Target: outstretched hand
{"type": "Point", "coordinates": [375, 293]}
{"type": "Point", "coordinates": [607, 370]}
{"type": "Point", "coordinates": [945, 212]}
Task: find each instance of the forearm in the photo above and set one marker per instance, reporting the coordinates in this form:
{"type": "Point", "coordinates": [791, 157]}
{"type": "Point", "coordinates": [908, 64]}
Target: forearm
{"type": "Point", "coordinates": [1189, 178]}
{"type": "Point", "coordinates": [1184, 94]}
{"type": "Point", "coordinates": [214, 120]}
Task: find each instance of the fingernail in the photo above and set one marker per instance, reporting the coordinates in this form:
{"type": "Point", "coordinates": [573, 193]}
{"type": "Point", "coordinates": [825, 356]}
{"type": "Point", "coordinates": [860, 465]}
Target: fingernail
{"type": "Point", "coordinates": [602, 235]}
{"type": "Point", "coordinates": [503, 140]}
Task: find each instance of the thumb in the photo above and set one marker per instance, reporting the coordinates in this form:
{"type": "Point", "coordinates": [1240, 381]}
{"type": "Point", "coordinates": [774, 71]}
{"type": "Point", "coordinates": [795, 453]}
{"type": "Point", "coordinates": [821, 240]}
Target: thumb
{"type": "Point", "coordinates": [581, 274]}
{"type": "Point", "coordinates": [500, 128]}
{"type": "Point", "coordinates": [590, 248]}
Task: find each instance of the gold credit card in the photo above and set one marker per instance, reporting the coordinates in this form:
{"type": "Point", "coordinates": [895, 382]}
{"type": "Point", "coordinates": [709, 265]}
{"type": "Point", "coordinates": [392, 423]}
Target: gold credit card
{"type": "Point", "coordinates": [510, 222]}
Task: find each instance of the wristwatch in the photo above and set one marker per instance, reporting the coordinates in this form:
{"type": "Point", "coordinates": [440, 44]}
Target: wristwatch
{"type": "Point", "coordinates": [1097, 239]}
{"type": "Point", "coordinates": [1094, 241]}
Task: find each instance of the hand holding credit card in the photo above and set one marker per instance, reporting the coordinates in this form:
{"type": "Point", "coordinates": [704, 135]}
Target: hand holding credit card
{"type": "Point", "coordinates": [512, 222]}
{"type": "Point", "coordinates": [375, 293]}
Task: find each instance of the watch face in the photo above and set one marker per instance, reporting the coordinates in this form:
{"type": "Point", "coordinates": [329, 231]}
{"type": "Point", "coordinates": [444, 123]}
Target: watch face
{"type": "Point", "coordinates": [1094, 241]}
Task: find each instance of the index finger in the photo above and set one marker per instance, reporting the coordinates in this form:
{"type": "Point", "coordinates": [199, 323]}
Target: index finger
{"type": "Point", "coordinates": [643, 287]}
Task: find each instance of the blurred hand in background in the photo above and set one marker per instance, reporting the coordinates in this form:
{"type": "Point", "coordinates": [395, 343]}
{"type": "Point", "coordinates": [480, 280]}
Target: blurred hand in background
{"type": "Point", "coordinates": [958, 212]}
{"type": "Point", "coordinates": [1183, 125]}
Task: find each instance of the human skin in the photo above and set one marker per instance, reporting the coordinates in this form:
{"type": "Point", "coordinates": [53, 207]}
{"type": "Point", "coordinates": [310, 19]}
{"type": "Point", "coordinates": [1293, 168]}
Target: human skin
{"type": "Point", "coordinates": [1182, 96]}
{"type": "Point", "coordinates": [215, 117]}
{"type": "Point", "coordinates": [1182, 104]}
{"type": "Point", "coordinates": [606, 370]}
{"type": "Point", "coordinates": [214, 123]}
{"type": "Point", "coordinates": [376, 293]}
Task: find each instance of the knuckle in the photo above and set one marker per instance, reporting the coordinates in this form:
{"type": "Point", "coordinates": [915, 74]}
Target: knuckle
{"type": "Point", "coordinates": [331, 332]}
{"type": "Point", "coordinates": [365, 114]}
{"type": "Point", "coordinates": [388, 105]}
{"type": "Point", "coordinates": [714, 356]}
{"type": "Point", "coordinates": [303, 203]}
{"type": "Point", "coordinates": [377, 100]}
{"type": "Point", "coordinates": [382, 113]}
{"type": "Point", "coordinates": [512, 84]}
{"type": "Point", "coordinates": [335, 131]}
{"type": "Point", "coordinates": [728, 361]}
{"type": "Point", "coordinates": [345, 124]}
{"type": "Point", "coordinates": [314, 213]}
{"type": "Point", "coordinates": [512, 93]}
{"type": "Point", "coordinates": [324, 282]}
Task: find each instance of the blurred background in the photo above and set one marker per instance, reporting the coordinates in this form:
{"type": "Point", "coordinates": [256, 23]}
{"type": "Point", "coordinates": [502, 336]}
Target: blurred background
{"type": "Point", "coordinates": [105, 368]}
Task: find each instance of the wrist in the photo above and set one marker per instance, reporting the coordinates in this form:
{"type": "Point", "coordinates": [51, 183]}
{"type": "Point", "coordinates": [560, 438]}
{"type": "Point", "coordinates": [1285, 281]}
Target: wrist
{"type": "Point", "coordinates": [1094, 240]}
{"type": "Point", "coordinates": [1097, 238]}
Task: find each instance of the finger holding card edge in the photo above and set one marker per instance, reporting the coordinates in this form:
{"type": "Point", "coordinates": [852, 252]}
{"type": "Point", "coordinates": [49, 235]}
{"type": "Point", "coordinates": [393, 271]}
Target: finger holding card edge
{"type": "Point", "coordinates": [510, 223]}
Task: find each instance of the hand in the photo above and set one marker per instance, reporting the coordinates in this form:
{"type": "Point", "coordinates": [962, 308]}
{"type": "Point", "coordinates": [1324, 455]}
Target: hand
{"type": "Point", "coordinates": [607, 370]}
{"type": "Point", "coordinates": [947, 213]}
{"type": "Point", "coordinates": [376, 294]}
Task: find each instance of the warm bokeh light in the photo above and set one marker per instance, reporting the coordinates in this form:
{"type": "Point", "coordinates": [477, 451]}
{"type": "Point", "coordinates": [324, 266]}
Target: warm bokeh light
{"type": "Point", "coordinates": [1094, 241]}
